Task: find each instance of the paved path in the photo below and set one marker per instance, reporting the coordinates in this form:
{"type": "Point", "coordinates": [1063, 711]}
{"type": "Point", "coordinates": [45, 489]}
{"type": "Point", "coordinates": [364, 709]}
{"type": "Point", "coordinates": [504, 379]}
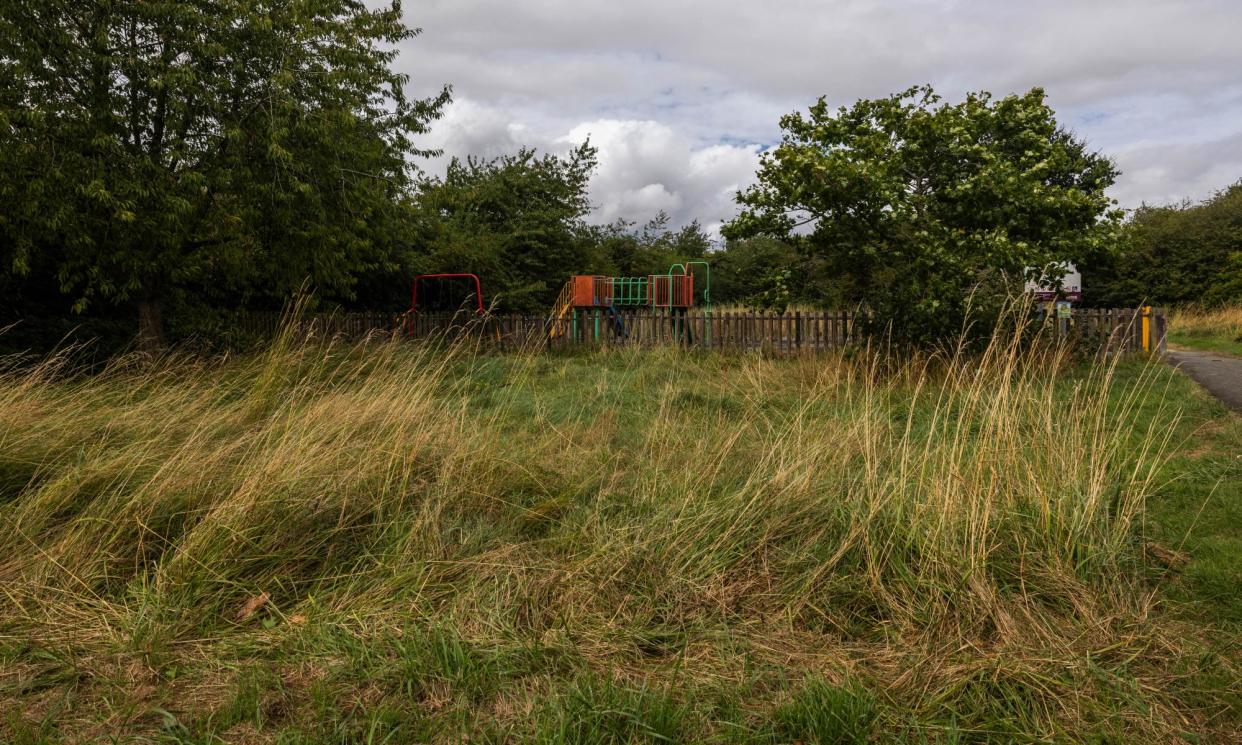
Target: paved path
{"type": "Point", "coordinates": [1220, 374]}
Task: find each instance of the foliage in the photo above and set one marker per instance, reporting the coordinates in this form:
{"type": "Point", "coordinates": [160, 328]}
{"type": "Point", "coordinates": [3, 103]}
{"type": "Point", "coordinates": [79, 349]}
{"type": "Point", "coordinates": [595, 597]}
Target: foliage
{"type": "Point", "coordinates": [742, 269]}
{"type": "Point", "coordinates": [1174, 255]}
{"type": "Point", "coordinates": [150, 146]}
{"type": "Point", "coordinates": [631, 251]}
{"type": "Point", "coordinates": [910, 203]}
{"type": "Point", "coordinates": [516, 221]}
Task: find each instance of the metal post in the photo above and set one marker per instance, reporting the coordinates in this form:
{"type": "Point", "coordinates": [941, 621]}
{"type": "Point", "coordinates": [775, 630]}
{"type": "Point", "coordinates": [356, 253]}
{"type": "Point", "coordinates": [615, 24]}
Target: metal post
{"type": "Point", "coordinates": [1147, 328]}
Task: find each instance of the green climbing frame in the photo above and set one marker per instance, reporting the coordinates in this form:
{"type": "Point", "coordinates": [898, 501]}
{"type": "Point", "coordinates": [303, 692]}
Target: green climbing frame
{"type": "Point", "coordinates": [630, 291]}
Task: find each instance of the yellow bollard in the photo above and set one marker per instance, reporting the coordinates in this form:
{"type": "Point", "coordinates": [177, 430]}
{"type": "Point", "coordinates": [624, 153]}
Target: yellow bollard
{"type": "Point", "coordinates": [1146, 328]}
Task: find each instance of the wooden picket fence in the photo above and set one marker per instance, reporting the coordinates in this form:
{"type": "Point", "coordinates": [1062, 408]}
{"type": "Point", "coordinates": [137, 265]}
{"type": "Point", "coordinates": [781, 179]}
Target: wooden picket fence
{"type": "Point", "coordinates": [1117, 329]}
{"type": "Point", "coordinates": [797, 332]}
{"type": "Point", "coordinates": [784, 333]}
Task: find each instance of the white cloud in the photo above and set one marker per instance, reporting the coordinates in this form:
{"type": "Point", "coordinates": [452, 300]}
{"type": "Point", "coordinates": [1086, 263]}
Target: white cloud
{"type": "Point", "coordinates": [645, 166]}
{"type": "Point", "coordinates": [1160, 174]}
{"type": "Point", "coordinates": [470, 128]}
{"type": "Point", "coordinates": [663, 84]}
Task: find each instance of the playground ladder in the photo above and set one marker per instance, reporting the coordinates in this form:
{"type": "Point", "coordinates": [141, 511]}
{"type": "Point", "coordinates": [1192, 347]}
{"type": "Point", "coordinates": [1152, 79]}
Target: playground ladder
{"type": "Point", "coordinates": [564, 304]}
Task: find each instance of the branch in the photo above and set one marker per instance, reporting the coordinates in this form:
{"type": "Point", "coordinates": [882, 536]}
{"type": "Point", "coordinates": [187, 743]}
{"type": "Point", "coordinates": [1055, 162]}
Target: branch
{"type": "Point", "coordinates": [368, 175]}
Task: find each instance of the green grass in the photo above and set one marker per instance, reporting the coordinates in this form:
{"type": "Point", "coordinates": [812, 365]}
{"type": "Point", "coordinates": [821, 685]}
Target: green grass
{"type": "Point", "coordinates": [1217, 330]}
{"type": "Point", "coordinates": [388, 543]}
{"type": "Point", "coordinates": [1198, 510]}
{"type": "Point", "coordinates": [1220, 343]}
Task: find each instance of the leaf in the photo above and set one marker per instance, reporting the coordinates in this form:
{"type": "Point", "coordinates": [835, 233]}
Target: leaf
{"type": "Point", "coordinates": [250, 606]}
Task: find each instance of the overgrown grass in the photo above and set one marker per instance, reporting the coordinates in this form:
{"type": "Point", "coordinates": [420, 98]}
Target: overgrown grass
{"type": "Point", "coordinates": [1216, 330]}
{"type": "Point", "coordinates": [393, 543]}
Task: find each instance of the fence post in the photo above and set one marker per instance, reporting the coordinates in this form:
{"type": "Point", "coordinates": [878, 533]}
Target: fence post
{"type": "Point", "coordinates": [1161, 327]}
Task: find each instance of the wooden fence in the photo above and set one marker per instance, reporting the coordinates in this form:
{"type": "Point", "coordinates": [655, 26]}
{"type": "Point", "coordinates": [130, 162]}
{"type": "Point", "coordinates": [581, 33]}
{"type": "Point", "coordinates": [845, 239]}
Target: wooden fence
{"type": "Point", "coordinates": [1117, 329]}
{"type": "Point", "coordinates": [1114, 330]}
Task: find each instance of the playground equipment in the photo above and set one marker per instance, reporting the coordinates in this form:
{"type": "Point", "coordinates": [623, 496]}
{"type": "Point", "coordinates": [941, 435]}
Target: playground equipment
{"type": "Point", "coordinates": [603, 300]}
{"type": "Point", "coordinates": [411, 318]}
{"type": "Point", "coordinates": [478, 289]}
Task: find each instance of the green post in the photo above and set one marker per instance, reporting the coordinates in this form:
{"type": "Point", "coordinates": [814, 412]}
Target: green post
{"type": "Point", "coordinates": [707, 300]}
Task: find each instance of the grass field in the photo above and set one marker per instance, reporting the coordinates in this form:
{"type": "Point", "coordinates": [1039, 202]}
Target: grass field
{"type": "Point", "coordinates": [386, 543]}
{"type": "Point", "coordinates": [1218, 330]}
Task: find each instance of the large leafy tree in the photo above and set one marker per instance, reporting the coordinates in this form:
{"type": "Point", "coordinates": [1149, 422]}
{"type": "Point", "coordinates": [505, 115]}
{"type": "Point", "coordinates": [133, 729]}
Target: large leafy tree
{"type": "Point", "coordinates": [1183, 253]}
{"type": "Point", "coordinates": [911, 203]}
{"type": "Point", "coordinates": [517, 221]}
{"type": "Point", "coordinates": [150, 144]}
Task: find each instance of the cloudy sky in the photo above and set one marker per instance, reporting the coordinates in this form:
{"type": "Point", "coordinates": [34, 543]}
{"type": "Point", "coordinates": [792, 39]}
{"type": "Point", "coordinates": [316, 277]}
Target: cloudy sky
{"type": "Point", "coordinates": [681, 96]}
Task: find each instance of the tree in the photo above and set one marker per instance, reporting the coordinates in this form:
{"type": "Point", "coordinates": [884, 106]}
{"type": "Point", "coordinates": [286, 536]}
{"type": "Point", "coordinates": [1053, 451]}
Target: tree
{"type": "Point", "coordinates": [151, 144]}
{"type": "Point", "coordinates": [911, 203]}
{"type": "Point", "coordinates": [631, 251]}
{"type": "Point", "coordinates": [516, 221]}
{"type": "Point", "coordinates": [757, 272]}
{"type": "Point", "coordinates": [1184, 253]}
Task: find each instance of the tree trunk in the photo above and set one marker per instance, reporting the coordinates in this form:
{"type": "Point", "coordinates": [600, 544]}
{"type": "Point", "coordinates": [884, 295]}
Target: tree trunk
{"type": "Point", "coordinates": [150, 326]}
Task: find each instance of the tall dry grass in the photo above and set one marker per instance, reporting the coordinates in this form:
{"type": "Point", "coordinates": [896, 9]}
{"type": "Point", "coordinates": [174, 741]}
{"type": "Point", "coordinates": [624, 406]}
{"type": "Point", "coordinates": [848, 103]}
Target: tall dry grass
{"type": "Point", "coordinates": [1224, 321]}
{"type": "Point", "coordinates": [943, 529]}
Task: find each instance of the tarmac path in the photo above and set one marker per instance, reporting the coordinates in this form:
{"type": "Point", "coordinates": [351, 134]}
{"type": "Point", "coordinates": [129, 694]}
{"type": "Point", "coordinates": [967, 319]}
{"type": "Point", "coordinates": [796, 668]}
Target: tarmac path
{"type": "Point", "coordinates": [1220, 374]}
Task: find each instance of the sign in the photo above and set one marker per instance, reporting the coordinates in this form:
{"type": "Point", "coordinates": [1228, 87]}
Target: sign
{"type": "Point", "coordinates": [1046, 290]}
{"type": "Point", "coordinates": [1064, 309]}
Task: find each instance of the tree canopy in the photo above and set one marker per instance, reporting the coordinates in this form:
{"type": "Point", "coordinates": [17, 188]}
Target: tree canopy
{"type": "Point", "coordinates": [909, 202]}
{"type": "Point", "coordinates": [1177, 254]}
{"type": "Point", "coordinates": [629, 249]}
{"type": "Point", "coordinates": [516, 221]}
{"type": "Point", "coordinates": [151, 145]}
